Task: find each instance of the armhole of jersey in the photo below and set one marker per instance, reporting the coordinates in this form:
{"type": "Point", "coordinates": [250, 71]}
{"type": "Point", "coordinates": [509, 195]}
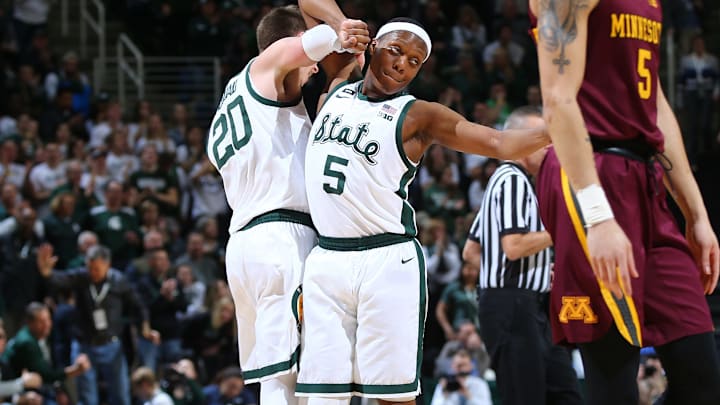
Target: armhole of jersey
{"type": "Point", "coordinates": [332, 92]}
{"type": "Point", "coordinates": [262, 100]}
{"type": "Point", "coordinates": [398, 136]}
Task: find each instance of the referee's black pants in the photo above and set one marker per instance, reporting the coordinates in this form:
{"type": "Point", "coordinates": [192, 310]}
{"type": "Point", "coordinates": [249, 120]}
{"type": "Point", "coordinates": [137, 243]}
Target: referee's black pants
{"type": "Point", "coordinates": [529, 369]}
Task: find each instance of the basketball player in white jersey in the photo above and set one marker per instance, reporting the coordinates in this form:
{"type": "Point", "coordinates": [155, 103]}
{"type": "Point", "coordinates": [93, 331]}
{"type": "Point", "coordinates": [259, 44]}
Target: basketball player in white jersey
{"type": "Point", "coordinates": [257, 142]}
{"type": "Point", "coordinates": [364, 286]}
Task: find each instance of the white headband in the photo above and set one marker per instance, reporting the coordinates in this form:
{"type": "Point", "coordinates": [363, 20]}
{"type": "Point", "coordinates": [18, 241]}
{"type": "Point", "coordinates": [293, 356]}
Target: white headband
{"type": "Point", "coordinates": [409, 27]}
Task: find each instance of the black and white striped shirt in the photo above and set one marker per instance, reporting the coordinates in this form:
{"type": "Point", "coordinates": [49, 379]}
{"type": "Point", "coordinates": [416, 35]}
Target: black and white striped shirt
{"type": "Point", "coordinates": [509, 206]}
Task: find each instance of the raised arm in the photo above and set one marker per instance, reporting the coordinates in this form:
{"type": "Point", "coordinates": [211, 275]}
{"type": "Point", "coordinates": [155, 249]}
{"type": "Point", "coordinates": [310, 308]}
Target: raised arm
{"type": "Point", "coordinates": [562, 45]}
{"type": "Point", "coordinates": [681, 184]}
{"type": "Point", "coordinates": [427, 123]}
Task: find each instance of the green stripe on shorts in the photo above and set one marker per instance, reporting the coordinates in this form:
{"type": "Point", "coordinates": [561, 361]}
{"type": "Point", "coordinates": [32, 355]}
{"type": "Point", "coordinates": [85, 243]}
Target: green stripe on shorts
{"type": "Point", "coordinates": [273, 368]}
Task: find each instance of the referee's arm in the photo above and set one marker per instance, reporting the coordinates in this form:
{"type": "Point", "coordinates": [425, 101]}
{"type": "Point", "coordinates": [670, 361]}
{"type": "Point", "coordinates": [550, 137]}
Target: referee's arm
{"type": "Point", "coordinates": [472, 252]}
{"type": "Point", "coordinates": [519, 245]}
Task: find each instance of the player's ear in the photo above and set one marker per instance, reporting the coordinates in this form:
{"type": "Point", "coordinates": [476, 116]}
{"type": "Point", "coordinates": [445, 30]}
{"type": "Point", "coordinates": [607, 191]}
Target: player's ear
{"type": "Point", "coordinates": [372, 46]}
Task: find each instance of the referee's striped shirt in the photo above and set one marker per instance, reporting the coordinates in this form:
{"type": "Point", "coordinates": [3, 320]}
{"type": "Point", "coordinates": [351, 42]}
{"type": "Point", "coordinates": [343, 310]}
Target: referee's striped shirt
{"type": "Point", "coordinates": [509, 206]}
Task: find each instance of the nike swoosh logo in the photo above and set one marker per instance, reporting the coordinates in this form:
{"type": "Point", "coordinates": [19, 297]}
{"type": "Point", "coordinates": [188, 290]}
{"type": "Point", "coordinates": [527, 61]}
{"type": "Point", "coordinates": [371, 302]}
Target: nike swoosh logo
{"type": "Point", "coordinates": [403, 261]}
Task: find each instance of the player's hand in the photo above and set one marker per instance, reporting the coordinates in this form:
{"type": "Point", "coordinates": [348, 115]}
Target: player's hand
{"type": "Point", "coordinates": [611, 257]}
{"type": "Point", "coordinates": [354, 35]}
{"type": "Point", "coordinates": [704, 247]}
{"type": "Point", "coordinates": [45, 259]}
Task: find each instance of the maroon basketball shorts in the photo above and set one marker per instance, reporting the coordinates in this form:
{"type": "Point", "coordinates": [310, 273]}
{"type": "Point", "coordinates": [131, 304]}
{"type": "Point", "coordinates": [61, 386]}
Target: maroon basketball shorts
{"type": "Point", "coordinates": [667, 302]}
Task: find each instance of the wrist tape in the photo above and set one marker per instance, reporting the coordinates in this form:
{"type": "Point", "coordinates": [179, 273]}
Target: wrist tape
{"type": "Point", "coordinates": [594, 205]}
{"type": "Point", "coordinates": [320, 41]}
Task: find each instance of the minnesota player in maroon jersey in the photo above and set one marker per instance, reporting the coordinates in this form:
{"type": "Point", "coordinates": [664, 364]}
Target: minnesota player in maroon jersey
{"type": "Point", "coordinates": [624, 275]}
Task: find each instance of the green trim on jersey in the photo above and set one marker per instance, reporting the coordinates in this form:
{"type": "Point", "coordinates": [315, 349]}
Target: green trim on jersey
{"type": "Point", "coordinates": [390, 389]}
{"type": "Point", "coordinates": [263, 100]}
{"type": "Point", "coordinates": [273, 368]}
{"type": "Point", "coordinates": [362, 243]}
{"type": "Point", "coordinates": [363, 97]}
{"type": "Point", "coordinates": [407, 216]}
{"type": "Point", "coordinates": [280, 215]}
{"type": "Point", "coordinates": [333, 91]}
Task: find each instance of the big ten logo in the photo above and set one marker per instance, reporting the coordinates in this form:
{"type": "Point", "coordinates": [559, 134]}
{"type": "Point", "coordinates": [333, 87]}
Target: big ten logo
{"type": "Point", "coordinates": [577, 309]}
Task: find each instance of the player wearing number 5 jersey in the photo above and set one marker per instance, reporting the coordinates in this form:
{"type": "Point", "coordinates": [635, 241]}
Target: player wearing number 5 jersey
{"type": "Point", "coordinates": [257, 142]}
{"type": "Point", "coordinates": [364, 289]}
{"type": "Point", "coordinates": [624, 275]}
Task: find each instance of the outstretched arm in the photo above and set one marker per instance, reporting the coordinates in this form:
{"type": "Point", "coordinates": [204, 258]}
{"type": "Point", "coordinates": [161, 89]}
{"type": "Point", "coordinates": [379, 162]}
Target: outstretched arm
{"type": "Point", "coordinates": [427, 123]}
{"type": "Point", "coordinates": [681, 184]}
{"type": "Point", "coordinates": [562, 45]}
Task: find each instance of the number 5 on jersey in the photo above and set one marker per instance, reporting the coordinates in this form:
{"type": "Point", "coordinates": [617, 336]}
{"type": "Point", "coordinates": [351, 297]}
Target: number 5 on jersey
{"type": "Point", "coordinates": [645, 84]}
{"type": "Point", "coordinates": [338, 175]}
{"type": "Point", "coordinates": [220, 130]}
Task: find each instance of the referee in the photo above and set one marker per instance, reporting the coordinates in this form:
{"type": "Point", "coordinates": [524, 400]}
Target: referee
{"type": "Point", "coordinates": [509, 241]}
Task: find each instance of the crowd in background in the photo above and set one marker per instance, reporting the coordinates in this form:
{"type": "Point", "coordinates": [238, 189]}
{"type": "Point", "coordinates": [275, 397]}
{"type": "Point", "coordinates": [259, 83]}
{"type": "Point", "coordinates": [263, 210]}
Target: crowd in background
{"type": "Point", "coordinates": [78, 169]}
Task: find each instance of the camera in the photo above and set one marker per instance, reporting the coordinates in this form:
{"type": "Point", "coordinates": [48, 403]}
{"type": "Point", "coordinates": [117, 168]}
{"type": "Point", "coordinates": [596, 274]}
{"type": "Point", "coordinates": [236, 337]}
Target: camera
{"type": "Point", "coordinates": [452, 383]}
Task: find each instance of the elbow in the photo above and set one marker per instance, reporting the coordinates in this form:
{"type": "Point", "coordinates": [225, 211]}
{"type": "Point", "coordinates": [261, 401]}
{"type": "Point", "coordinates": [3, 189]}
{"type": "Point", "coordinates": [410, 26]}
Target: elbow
{"type": "Point", "coordinates": [512, 254]}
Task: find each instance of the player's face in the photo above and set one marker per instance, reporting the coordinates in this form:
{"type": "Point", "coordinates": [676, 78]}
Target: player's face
{"type": "Point", "coordinates": [397, 59]}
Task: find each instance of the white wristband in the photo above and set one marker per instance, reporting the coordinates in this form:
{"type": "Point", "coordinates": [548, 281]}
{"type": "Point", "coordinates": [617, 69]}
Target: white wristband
{"type": "Point", "coordinates": [594, 205]}
{"type": "Point", "coordinates": [320, 41]}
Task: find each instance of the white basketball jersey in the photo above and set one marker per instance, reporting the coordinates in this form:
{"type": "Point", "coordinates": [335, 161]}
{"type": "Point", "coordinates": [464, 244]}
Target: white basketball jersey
{"type": "Point", "coordinates": [356, 170]}
{"type": "Point", "coordinates": [258, 145]}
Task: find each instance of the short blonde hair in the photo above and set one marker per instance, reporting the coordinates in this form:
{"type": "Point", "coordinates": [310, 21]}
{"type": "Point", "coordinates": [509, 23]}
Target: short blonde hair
{"type": "Point", "coordinates": [143, 375]}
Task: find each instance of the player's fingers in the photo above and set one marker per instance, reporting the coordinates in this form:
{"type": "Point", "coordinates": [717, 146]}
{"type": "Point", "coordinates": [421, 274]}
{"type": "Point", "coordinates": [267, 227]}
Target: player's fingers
{"type": "Point", "coordinates": [631, 263]}
{"type": "Point", "coordinates": [715, 263]}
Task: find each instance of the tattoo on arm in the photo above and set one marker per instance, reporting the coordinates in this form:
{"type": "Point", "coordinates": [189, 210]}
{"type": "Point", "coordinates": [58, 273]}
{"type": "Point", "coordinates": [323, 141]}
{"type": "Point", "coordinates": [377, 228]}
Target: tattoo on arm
{"type": "Point", "coordinates": [557, 26]}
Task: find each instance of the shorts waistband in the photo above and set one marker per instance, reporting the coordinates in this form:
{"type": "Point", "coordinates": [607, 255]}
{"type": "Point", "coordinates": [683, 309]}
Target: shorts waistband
{"type": "Point", "coordinates": [281, 215]}
{"type": "Point", "coordinates": [363, 243]}
{"type": "Point", "coordinates": [635, 149]}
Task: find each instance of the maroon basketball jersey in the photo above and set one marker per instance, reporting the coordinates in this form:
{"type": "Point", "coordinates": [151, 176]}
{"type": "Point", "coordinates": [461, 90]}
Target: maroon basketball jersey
{"type": "Point", "coordinates": [618, 96]}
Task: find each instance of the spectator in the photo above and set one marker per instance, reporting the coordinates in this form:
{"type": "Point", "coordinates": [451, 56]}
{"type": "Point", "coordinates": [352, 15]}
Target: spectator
{"type": "Point", "coordinates": [58, 112]}
{"type": "Point", "coordinates": [206, 187]}
{"type": "Point", "coordinates": [204, 267]}
{"type": "Point", "coordinates": [84, 199]}
{"type": "Point", "coordinates": [46, 177]}
{"type": "Point", "coordinates": [700, 82]}
{"type": "Point", "coordinates": [138, 267]}
{"type": "Point", "coordinates": [146, 388]}
{"type": "Point", "coordinates": [193, 290]}
{"type": "Point", "coordinates": [208, 227]}
{"type": "Point", "coordinates": [212, 336]}
{"type": "Point", "coordinates": [139, 127]}
{"type": "Point", "coordinates": [110, 120]}
{"type": "Point", "coordinates": [533, 97]}
{"type": "Point", "coordinates": [458, 303]}
{"type": "Point", "coordinates": [151, 220]}
{"type": "Point", "coordinates": [444, 200]}
{"type": "Point", "coordinates": [150, 182]}
{"type": "Point", "coordinates": [64, 321]}
{"type": "Point", "coordinates": [103, 297]}
{"type": "Point", "coordinates": [19, 283]}
{"type": "Point", "coordinates": [180, 125]}
{"type": "Point", "coordinates": [498, 106]}
{"type": "Point", "coordinates": [31, 147]}
{"type": "Point", "coordinates": [469, 80]}
{"type": "Point", "coordinates": [501, 70]}
{"type": "Point", "coordinates": [121, 162]}
{"type": "Point", "coordinates": [442, 256]}
{"type": "Point", "coordinates": [70, 77]}
{"type": "Point", "coordinates": [229, 389]}
{"type": "Point", "coordinates": [157, 136]}
{"type": "Point", "coordinates": [479, 183]}
{"type": "Point", "coordinates": [192, 150]}
{"type": "Point", "coordinates": [29, 350]}
{"type": "Point", "coordinates": [164, 299]}
{"type": "Point", "coordinates": [94, 182]}
{"type": "Point", "coordinates": [85, 241]}
{"type": "Point", "coordinates": [469, 34]}
{"type": "Point", "coordinates": [116, 226]}
{"type": "Point", "coordinates": [9, 200]}
{"type": "Point", "coordinates": [61, 228]}
{"type": "Point", "coordinates": [461, 387]}
{"type": "Point", "coordinates": [10, 387]}
{"type": "Point", "coordinates": [10, 170]}
{"type": "Point", "coordinates": [179, 380]}
{"type": "Point", "coordinates": [64, 138]}
{"type": "Point", "coordinates": [467, 338]}
{"type": "Point", "coordinates": [504, 40]}
{"type": "Point", "coordinates": [29, 89]}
